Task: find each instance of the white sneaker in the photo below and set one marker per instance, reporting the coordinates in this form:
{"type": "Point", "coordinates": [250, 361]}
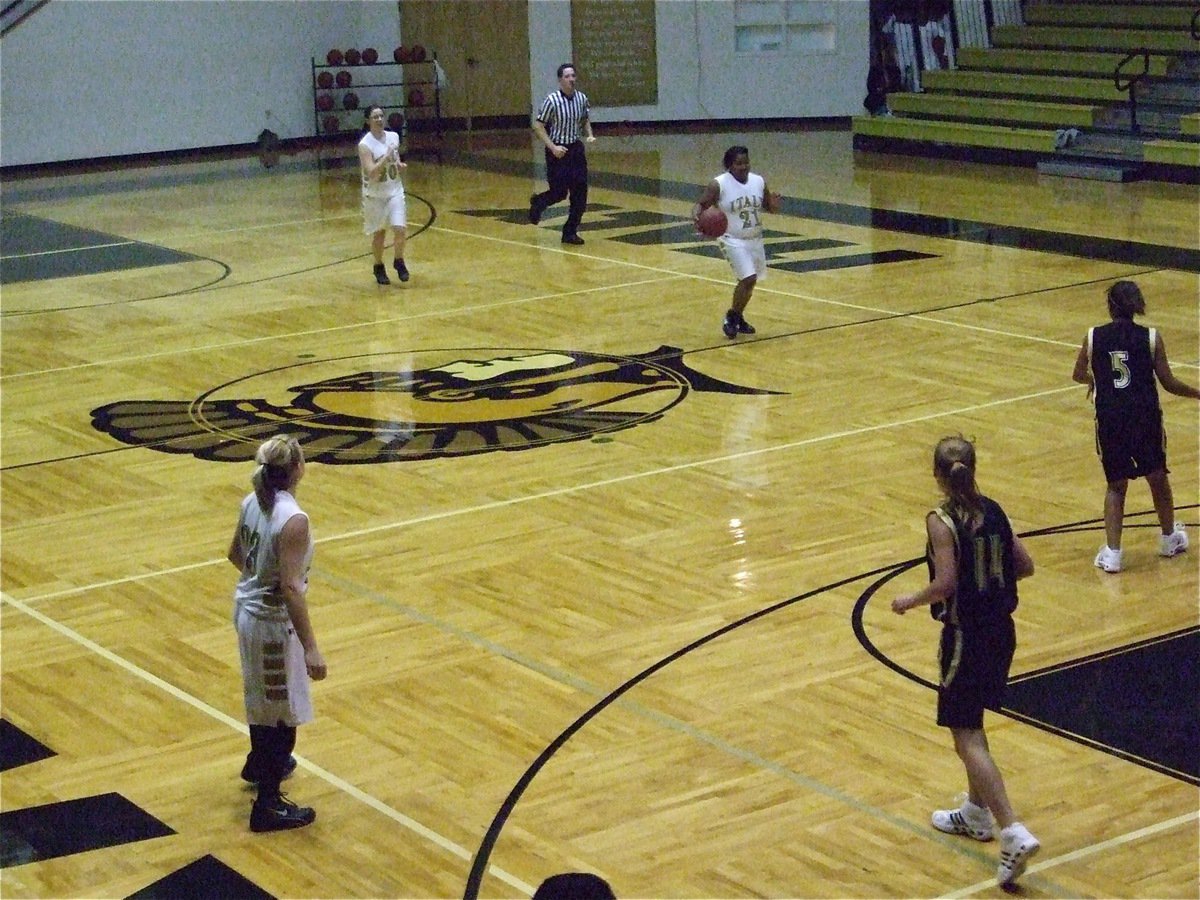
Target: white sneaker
{"type": "Point", "coordinates": [1174, 543]}
{"type": "Point", "coordinates": [973, 821]}
{"type": "Point", "coordinates": [1017, 846]}
{"type": "Point", "coordinates": [1110, 560]}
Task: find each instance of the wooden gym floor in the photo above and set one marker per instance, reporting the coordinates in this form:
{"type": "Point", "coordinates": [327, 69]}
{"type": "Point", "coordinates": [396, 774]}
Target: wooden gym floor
{"type": "Point", "coordinates": [598, 588]}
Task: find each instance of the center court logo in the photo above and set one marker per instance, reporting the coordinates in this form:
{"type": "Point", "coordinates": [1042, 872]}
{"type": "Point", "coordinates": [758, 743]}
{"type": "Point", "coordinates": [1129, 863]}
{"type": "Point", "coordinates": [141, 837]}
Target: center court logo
{"type": "Point", "coordinates": [428, 404]}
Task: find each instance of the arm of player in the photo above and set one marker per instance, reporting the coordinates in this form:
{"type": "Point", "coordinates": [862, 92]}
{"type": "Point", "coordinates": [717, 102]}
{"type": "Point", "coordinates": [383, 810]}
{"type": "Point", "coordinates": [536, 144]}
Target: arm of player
{"type": "Point", "coordinates": [236, 554]}
{"type": "Point", "coordinates": [370, 167]}
{"type": "Point", "coordinates": [709, 197]}
{"type": "Point", "coordinates": [945, 569]}
{"type": "Point", "coordinates": [1162, 368]}
{"type": "Point", "coordinates": [293, 584]}
{"type": "Point", "coordinates": [1022, 561]}
{"type": "Point", "coordinates": [1083, 368]}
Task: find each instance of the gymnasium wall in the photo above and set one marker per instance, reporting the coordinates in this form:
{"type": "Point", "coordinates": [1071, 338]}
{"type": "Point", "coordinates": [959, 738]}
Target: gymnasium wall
{"type": "Point", "coordinates": [83, 80]}
{"type": "Point", "coordinates": [80, 80]}
{"type": "Point", "coordinates": [701, 73]}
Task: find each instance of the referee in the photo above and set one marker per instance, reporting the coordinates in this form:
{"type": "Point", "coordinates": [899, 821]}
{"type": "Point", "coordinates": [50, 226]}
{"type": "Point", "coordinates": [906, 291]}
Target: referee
{"type": "Point", "coordinates": [564, 114]}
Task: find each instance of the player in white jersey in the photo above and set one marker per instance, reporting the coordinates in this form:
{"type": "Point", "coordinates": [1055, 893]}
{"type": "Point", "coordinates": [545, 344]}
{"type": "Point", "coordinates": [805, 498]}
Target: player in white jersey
{"type": "Point", "coordinates": [741, 195]}
{"type": "Point", "coordinates": [383, 193]}
{"type": "Point", "coordinates": [272, 548]}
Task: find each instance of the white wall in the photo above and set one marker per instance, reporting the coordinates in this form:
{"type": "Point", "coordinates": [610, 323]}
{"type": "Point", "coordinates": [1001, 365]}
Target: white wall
{"type": "Point", "coordinates": [92, 78]}
{"type": "Point", "coordinates": [701, 76]}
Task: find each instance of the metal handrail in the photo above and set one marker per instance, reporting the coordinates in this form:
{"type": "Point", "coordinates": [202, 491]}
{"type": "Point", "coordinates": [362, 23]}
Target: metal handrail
{"type": "Point", "coordinates": [1128, 81]}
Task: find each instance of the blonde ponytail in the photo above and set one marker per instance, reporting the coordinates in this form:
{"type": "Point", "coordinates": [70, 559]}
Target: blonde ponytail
{"type": "Point", "coordinates": [276, 458]}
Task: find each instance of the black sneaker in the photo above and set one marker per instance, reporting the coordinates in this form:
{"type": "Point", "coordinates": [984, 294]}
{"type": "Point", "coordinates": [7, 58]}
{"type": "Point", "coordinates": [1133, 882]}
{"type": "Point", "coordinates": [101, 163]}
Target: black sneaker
{"type": "Point", "coordinates": [744, 327]}
{"type": "Point", "coordinates": [535, 214]}
{"type": "Point", "coordinates": [381, 274]}
{"type": "Point", "coordinates": [402, 270]}
{"type": "Point", "coordinates": [730, 325]}
{"type": "Point", "coordinates": [572, 239]}
{"type": "Point", "coordinates": [252, 775]}
{"type": "Point", "coordinates": [279, 814]}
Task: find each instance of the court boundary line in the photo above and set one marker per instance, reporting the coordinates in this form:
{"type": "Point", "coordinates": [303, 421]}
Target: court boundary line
{"type": "Point", "coordinates": [212, 712]}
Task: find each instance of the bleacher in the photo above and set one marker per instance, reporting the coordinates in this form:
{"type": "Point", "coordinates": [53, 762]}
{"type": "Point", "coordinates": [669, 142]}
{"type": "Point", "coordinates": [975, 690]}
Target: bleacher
{"type": "Point", "coordinates": [1046, 83]}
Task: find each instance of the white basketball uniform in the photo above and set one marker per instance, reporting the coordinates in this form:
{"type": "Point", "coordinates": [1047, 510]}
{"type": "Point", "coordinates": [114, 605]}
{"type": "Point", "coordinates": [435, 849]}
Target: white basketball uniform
{"type": "Point", "coordinates": [274, 676]}
{"type": "Point", "coordinates": [383, 201]}
{"type": "Point", "coordinates": [742, 242]}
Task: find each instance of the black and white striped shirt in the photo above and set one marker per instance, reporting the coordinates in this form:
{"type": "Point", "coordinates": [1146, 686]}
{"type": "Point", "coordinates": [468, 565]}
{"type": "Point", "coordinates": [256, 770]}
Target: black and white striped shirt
{"type": "Point", "coordinates": [563, 116]}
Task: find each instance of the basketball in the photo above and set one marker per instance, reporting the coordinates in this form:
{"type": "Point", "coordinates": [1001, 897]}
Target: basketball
{"type": "Point", "coordinates": [370, 56]}
{"type": "Point", "coordinates": [334, 57]}
{"type": "Point", "coordinates": [416, 97]}
{"type": "Point", "coordinates": [353, 57]}
{"type": "Point", "coordinates": [417, 54]}
{"type": "Point", "coordinates": [343, 79]}
{"type": "Point", "coordinates": [395, 121]}
{"type": "Point", "coordinates": [400, 54]}
{"type": "Point", "coordinates": [712, 222]}
{"type": "Point", "coordinates": [331, 124]}
{"type": "Point", "coordinates": [350, 101]}
{"type": "Point", "coordinates": [324, 103]}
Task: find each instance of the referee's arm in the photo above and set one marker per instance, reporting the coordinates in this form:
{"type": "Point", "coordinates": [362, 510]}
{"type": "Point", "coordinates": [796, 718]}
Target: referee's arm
{"type": "Point", "coordinates": [540, 130]}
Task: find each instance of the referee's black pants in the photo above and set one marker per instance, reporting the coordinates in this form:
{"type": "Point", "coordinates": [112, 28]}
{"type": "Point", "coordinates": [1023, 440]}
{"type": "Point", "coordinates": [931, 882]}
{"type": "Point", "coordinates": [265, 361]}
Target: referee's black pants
{"type": "Point", "coordinates": [568, 175]}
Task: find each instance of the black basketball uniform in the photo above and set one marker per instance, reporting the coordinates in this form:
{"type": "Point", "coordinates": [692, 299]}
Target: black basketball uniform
{"type": "Point", "coordinates": [1129, 430]}
{"type": "Point", "coordinates": [978, 636]}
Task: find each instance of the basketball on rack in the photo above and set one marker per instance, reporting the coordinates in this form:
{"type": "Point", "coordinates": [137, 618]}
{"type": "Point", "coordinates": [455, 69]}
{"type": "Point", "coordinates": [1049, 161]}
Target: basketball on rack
{"type": "Point", "coordinates": [400, 54]}
{"type": "Point", "coordinates": [395, 121]}
{"type": "Point", "coordinates": [325, 80]}
{"type": "Point", "coordinates": [416, 97]}
{"type": "Point", "coordinates": [334, 57]}
{"type": "Point", "coordinates": [353, 57]}
{"type": "Point", "coordinates": [712, 222]}
{"type": "Point", "coordinates": [324, 103]}
{"type": "Point", "coordinates": [330, 124]}
{"type": "Point", "coordinates": [343, 79]}
{"type": "Point", "coordinates": [370, 56]}
{"type": "Point", "coordinates": [350, 101]}
{"type": "Point", "coordinates": [417, 54]}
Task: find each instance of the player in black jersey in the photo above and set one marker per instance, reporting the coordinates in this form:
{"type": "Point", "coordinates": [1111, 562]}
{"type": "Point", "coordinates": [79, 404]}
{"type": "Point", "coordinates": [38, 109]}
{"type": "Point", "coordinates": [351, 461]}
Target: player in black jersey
{"type": "Point", "coordinates": [975, 561]}
{"type": "Point", "coordinates": [1119, 362]}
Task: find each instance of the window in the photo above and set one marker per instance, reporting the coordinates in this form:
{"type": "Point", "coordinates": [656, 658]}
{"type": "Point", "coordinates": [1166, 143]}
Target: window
{"type": "Point", "coordinates": [792, 26]}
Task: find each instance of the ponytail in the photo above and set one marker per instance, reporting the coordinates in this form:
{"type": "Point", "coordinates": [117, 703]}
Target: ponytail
{"type": "Point", "coordinates": [276, 458]}
{"type": "Point", "coordinates": [954, 469]}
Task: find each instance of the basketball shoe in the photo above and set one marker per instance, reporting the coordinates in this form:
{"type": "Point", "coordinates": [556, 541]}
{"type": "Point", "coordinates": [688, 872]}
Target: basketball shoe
{"type": "Point", "coordinates": [730, 325]}
{"type": "Point", "coordinates": [401, 269]}
{"type": "Point", "coordinates": [278, 813]}
{"type": "Point", "coordinates": [973, 821]}
{"type": "Point", "coordinates": [1017, 845]}
{"type": "Point", "coordinates": [1174, 543]}
{"type": "Point", "coordinates": [1110, 560]}
{"type": "Point", "coordinates": [381, 274]}
{"type": "Point", "coordinates": [744, 327]}
{"type": "Point", "coordinates": [251, 774]}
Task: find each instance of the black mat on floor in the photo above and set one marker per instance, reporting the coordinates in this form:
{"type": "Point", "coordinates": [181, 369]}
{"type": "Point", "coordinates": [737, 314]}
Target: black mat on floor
{"type": "Point", "coordinates": [19, 749]}
{"type": "Point", "coordinates": [203, 879]}
{"type": "Point", "coordinates": [35, 249]}
{"type": "Point", "coordinates": [73, 826]}
{"type": "Point", "coordinates": [1140, 702]}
